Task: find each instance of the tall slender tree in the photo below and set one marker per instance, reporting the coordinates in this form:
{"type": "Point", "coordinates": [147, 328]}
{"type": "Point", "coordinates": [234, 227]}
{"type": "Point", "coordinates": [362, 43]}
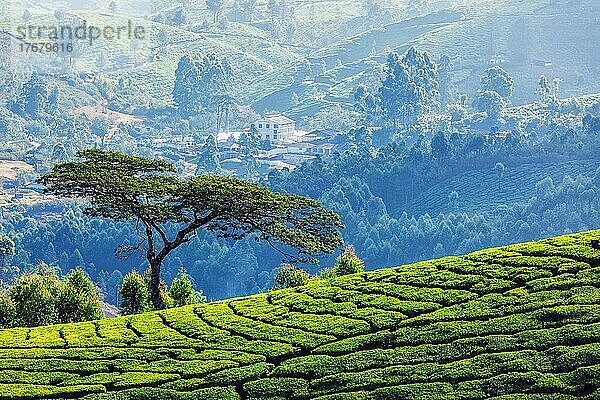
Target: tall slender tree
{"type": "Point", "coordinates": [202, 86]}
{"type": "Point", "coordinates": [397, 93]}
{"type": "Point", "coordinates": [216, 7]}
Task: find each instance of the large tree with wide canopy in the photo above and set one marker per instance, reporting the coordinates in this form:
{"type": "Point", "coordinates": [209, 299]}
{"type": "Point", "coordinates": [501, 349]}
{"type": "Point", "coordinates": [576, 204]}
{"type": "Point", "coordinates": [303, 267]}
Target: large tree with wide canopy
{"type": "Point", "coordinates": [171, 210]}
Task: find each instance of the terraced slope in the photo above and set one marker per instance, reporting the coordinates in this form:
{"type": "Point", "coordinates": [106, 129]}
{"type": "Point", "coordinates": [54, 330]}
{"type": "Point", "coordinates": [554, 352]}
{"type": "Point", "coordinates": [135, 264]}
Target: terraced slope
{"type": "Point", "coordinates": [484, 190]}
{"type": "Point", "coordinates": [519, 322]}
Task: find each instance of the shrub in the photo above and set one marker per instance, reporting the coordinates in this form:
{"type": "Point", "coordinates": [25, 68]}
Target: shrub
{"type": "Point", "coordinates": [512, 344]}
{"type": "Point", "coordinates": [348, 263]}
{"type": "Point", "coordinates": [290, 276]}
{"type": "Point", "coordinates": [78, 299]}
{"type": "Point", "coordinates": [8, 313]}
{"type": "Point", "coordinates": [135, 294]}
{"type": "Point", "coordinates": [491, 103]}
{"type": "Point", "coordinates": [182, 291]}
{"type": "Point", "coordinates": [327, 273]}
{"type": "Point", "coordinates": [34, 296]}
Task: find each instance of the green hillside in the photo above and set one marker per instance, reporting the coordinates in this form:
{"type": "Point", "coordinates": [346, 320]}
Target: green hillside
{"type": "Point", "coordinates": [519, 322]}
{"type": "Point", "coordinates": [475, 35]}
{"type": "Point", "coordinates": [151, 65]}
{"type": "Point", "coordinates": [484, 190]}
{"type": "Point", "coordinates": [471, 33]}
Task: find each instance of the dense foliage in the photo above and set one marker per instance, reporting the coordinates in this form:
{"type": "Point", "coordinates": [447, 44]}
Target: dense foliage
{"type": "Point", "coordinates": [518, 322]}
{"type": "Point", "coordinates": [136, 296]}
{"type": "Point", "coordinates": [426, 185]}
{"type": "Point", "coordinates": [348, 263]}
{"type": "Point", "coordinates": [42, 298]}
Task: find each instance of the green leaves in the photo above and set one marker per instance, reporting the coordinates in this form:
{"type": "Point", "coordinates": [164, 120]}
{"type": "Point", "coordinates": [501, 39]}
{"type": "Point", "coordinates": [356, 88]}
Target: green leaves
{"type": "Point", "coordinates": [134, 294]}
{"type": "Point", "coordinates": [43, 299]}
{"type": "Point", "coordinates": [201, 81]}
{"type": "Point", "coordinates": [241, 208]}
{"type": "Point", "coordinates": [123, 187]}
{"type": "Point", "coordinates": [118, 186]}
{"type": "Point", "coordinates": [406, 332]}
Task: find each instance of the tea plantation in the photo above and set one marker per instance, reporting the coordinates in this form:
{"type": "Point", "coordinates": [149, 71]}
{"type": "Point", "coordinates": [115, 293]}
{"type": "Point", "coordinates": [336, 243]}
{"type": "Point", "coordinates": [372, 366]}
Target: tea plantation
{"type": "Point", "coordinates": [514, 323]}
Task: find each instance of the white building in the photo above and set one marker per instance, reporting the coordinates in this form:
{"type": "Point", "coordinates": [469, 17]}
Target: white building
{"type": "Point", "coordinates": [275, 128]}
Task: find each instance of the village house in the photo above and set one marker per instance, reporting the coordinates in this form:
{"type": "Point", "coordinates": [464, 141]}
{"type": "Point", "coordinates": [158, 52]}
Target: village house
{"type": "Point", "coordinates": [275, 128]}
{"type": "Point", "coordinates": [321, 149]}
{"type": "Point", "coordinates": [176, 143]}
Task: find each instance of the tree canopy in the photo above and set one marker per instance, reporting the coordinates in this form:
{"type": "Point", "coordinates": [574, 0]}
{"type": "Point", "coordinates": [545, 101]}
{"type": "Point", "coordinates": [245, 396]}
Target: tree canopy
{"type": "Point", "coordinates": [498, 80]}
{"type": "Point", "coordinates": [201, 83]}
{"type": "Point", "coordinates": [410, 87]}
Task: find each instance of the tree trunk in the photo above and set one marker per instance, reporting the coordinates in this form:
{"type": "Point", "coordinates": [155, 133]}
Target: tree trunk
{"type": "Point", "coordinates": [218, 120]}
{"type": "Point", "coordinates": [227, 119]}
{"type": "Point", "coordinates": [157, 300]}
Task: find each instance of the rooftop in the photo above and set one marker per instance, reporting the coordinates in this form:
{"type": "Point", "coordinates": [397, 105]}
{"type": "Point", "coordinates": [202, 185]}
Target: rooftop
{"type": "Point", "coordinates": [279, 119]}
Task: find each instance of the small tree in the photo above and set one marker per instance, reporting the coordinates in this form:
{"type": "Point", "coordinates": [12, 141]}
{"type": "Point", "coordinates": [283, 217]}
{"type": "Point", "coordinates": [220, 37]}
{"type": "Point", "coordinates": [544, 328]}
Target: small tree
{"type": "Point", "coordinates": [78, 299]}
{"type": "Point", "coordinates": [440, 146]}
{"type": "Point", "coordinates": [34, 296]}
{"type": "Point", "coordinates": [224, 23]}
{"type": "Point", "coordinates": [491, 103]}
{"type": "Point", "coordinates": [59, 153]}
{"type": "Point", "coordinates": [182, 291]}
{"type": "Point", "coordinates": [290, 276]}
{"type": "Point", "coordinates": [348, 263]}
{"type": "Point", "coordinates": [101, 128]}
{"type": "Point", "coordinates": [26, 17]}
{"type": "Point", "coordinates": [498, 80]}
{"type": "Point", "coordinates": [208, 160]}
{"type": "Point", "coordinates": [7, 250]}
{"type": "Point", "coordinates": [149, 192]}
{"type": "Point", "coordinates": [453, 199]}
{"type": "Point", "coordinates": [545, 90]}
{"type": "Point", "coordinates": [216, 7]}
{"type": "Point", "coordinates": [134, 294]}
{"type": "Point", "coordinates": [500, 169]}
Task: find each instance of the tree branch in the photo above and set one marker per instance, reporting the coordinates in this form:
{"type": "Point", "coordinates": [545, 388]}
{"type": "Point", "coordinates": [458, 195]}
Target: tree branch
{"type": "Point", "coordinates": [283, 253]}
{"type": "Point", "coordinates": [182, 235]}
{"type": "Point", "coordinates": [161, 232]}
{"type": "Point", "coordinates": [151, 254]}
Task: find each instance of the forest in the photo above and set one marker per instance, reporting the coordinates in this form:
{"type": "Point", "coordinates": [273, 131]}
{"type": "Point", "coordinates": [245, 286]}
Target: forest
{"type": "Point", "coordinates": [410, 198]}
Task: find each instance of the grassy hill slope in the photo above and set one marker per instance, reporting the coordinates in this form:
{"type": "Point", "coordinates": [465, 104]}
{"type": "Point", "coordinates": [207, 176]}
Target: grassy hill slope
{"type": "Point", "coordinates": [527, 38]}
{"type": "Point", "coordinates": [554, 40]}
{"type": "Point", "coordinates": [151, 64]}
{"type": "Point", "coordinates": [484, 190]}
{"type": "Point", "coordinates": [519, 322]}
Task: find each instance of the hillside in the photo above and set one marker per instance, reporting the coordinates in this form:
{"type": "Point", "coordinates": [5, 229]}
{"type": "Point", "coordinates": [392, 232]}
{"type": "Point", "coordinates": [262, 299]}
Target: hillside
{"type": "Point", "coordinates": [484, 190]}
{"type": "Point", "coordinates": [519, 322]}
{"type": "Point", "coordinates": [268, 71]}
{"type": "Point", "coordinates": [150, 65]}
{"type": "Point", "coordinates": [527, 38]}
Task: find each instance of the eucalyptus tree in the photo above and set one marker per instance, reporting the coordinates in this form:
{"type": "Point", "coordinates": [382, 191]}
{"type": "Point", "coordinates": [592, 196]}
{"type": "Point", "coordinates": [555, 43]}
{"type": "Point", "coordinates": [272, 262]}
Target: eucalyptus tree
{"type": "Point", "coordinates": [498, 80]}
{"type": "Point", "coordinates": [202, 85]}
{"type": "Point", "coordinates": [410, 87]}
